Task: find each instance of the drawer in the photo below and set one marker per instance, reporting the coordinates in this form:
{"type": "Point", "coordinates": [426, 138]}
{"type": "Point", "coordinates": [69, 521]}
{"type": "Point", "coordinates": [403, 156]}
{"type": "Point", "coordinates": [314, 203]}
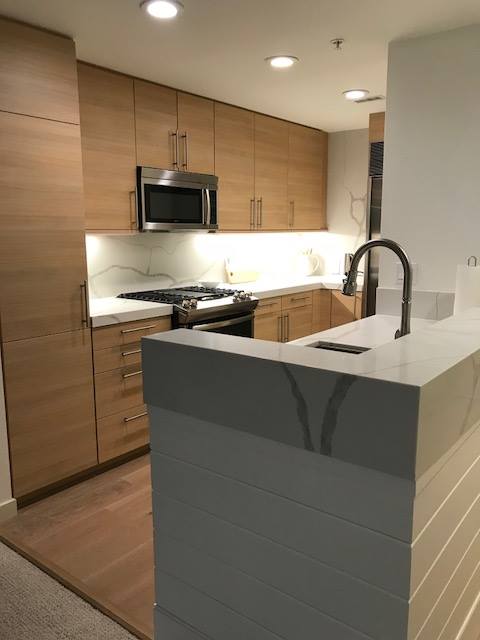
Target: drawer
{"type": "Point", "coordinates": [122, 432]}
{"type": "Point", "coordinates": [269, 306]}
{"type": "Point", "coordinates": [128, 332]}
{"type": "Point", "coordinates": [118, 390]}
{"type": "Point", "coordinates": [117, 357]}
{"type": "Point", "coordinates": [295, 300]}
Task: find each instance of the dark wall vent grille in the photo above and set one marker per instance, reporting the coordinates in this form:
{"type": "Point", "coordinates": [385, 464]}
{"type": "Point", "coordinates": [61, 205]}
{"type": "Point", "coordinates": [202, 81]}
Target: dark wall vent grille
{"type": "Point", "coordinates": [376, 159]}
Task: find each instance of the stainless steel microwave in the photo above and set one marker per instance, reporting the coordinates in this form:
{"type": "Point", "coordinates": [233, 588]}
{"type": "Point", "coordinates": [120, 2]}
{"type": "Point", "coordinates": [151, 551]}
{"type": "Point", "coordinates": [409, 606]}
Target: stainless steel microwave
{"type": "Point", "coordinates": [176, 200]}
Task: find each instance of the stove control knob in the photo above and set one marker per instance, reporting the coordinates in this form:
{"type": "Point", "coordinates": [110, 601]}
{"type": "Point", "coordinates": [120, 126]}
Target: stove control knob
{"type": "Point", "coordinates": [189, 303]}
{"type": "Point", "coordinates": [241, 296]}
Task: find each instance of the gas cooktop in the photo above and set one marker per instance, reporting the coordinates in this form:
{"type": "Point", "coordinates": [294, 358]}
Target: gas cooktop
{"type": "Point", "coordinates": [178, 294]}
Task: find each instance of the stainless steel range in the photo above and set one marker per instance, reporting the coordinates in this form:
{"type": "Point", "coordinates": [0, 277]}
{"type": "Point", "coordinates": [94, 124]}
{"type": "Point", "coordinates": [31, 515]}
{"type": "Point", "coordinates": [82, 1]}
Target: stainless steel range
{"type": "Point", "coordinates": [205, 308]}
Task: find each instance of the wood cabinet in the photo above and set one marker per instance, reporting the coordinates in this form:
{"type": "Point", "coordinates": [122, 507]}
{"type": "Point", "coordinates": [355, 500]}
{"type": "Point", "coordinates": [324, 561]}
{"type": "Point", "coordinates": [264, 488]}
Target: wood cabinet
{"type": "Point", "coordinates": [322, 309]}
{"type": "Point", "coordinates": [50, 405]}
{"type": "Point", "coordinates": [38, 75]}
{"type": "Point", "coordinates": [42, 240]}
{"type": "Point", "coordinates": [377, 127]}
{"type": "Point", "coordinates": [235, 166]}
{"type": "Point", "coordinates": [345, 308]}
{"type": "Point", "coordinates": [156, 125]}
{"type": "Point", "coordinates": [122, 423]}
{"type": "Point", "coordinates": [271, 173]}
{"type": "Point", "coordinates": [307, 178]}
{"type": "Point", "coordinates": [108, 147]}
{"type": "Point", "coordinates": [196, 134]}
{"type": "Point", "coordinates": [268, 320]}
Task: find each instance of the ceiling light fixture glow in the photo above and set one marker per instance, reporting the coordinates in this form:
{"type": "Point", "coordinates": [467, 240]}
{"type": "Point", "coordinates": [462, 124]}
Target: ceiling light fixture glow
{"type": "Point", "coordinates": [281, 62]}
{"type": "Point", "coordinates": [163, 9]}
{"type": "Point", "coordinates": [356, 94]}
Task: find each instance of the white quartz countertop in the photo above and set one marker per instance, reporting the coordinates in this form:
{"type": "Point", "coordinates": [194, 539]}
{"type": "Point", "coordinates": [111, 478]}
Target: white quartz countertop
{"type": "Point", "coordinates": [369, 332]}
{"type": "Point", "coordinates": [106, 311]}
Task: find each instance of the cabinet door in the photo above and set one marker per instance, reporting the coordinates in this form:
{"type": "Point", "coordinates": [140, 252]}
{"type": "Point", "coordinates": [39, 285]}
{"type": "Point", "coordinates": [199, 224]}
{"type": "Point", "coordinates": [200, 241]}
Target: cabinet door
{"type": "Point", "coordinates": [299, 322]}
{"type": "Point", "coordinates": [268, 319]}
{"type": "Point", "coordinates": [156, 125]}
{"type": "Point", "coordinates": [196, 133]}
{"type": "Point", "coordinates": [271, 173]}
{"type": "Point", "coordinates": [38, 74]}
{"type": "Point", "coordinates": [235, 166]}
{"type": "Point", "coordinates": [42, 239]}
{"type": "Point", "coordinates": [343, 309]}
{"type": "Point", "coordinates": [108, 147]}
{"type": "Point", "coordinates": [322, 308]}
{"type": "Point", "coordinates": [51, 419]}
{"type": "Point", "coordinates": [307, 178]}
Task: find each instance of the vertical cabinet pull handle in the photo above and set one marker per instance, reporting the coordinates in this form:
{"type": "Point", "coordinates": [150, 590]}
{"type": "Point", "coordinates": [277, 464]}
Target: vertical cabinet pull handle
{"type": "Point", "coordinates": [133, 208]}
{"type": "Point", "coordinates": [292, 213]}
{"type": "Point", "coordinates": [85, 304]}
{"type": "Point", "coordinates": [174, 135]}
{"type": "Point", "coordinates": [287, 337]}
{"type": "Point", "coordinates": [185, 151]}
{"type": "Point", "coordinates": [280, 328]}
{"type": "Point", "coordinates": [259, 212]}
{"type": "Point", "coordinates": [252, 213]}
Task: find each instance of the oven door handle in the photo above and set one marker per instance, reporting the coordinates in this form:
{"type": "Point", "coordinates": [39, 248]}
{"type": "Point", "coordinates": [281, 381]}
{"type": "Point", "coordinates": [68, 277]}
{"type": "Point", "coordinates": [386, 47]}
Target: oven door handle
{"type": "Point", "coordinates": [223, 323]}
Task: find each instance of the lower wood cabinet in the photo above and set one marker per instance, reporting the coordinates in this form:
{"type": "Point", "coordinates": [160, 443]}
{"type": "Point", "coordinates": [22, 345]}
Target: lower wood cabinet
{"type": "Point", "coordinates": [268, 320]}
{"type": "Point", "coordinates": [50, 405]}
{"type": "Point", "coordinates": [345, 308]}
{"type": "Point", "coordinates": [322, 309]}
{"type": "Point", "coordinates": [122, 422]}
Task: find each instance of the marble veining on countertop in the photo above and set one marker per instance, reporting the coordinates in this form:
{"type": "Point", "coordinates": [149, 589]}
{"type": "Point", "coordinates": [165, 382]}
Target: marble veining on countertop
{"type": "Point", "coordinates": [112, 310]}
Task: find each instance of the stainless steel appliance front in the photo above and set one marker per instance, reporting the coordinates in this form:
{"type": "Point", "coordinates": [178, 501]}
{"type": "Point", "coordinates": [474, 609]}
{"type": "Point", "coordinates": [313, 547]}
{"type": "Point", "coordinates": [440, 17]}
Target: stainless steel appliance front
{"type": "Point", "coordinates": [176, 200]}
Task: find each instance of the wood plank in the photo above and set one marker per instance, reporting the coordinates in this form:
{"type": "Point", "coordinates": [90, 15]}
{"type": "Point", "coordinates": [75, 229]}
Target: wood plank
{"type": "Point", "coordinates": [196, 122]}
{"type": "Point", "coordinates": [50, 405]}
{"type": "Point", "coordinates": [108, 147]}
{"type": "Point", "coordinates": [38, 74]}
{"type": "Point", "coordinates": [235, 166]}
{"type": "Point", "coordinates": [42, 239]}
{"type": "Point", "coordinates": [96, 538]}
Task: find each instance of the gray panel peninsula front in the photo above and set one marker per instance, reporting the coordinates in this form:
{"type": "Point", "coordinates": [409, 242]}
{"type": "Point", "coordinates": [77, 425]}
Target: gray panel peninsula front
{"type": "Point", "coordinates": [300, 493]}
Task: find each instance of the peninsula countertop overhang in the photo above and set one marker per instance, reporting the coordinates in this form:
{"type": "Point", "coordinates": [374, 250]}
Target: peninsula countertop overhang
{"type": "Point", "coordinates": [396, 408]}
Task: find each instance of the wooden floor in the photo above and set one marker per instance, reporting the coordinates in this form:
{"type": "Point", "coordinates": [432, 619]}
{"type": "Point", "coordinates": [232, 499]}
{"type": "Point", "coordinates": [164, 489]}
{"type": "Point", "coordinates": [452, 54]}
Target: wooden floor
{"type": "Point", "coordinates": [97, 538]}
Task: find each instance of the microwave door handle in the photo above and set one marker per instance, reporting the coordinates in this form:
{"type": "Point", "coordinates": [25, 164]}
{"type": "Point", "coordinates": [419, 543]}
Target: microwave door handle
{"type": "Point", "coordinates": [204, 206]}
{"type": "Point", "coordinates": [209, 207]}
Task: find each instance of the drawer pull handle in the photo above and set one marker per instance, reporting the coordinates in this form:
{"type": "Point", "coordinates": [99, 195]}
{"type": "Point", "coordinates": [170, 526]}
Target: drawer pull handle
{"type": "Point", "coordinates": [130, 375]}
{"type": "Point", "coordinates": [131, 353]}
{"type": "Point", "coordinates": [299, 298]}
{"type": "Point", "coordinates": [139, 415]}
{"type": "Point", "coordinates": [150, 326]}
{"type": "Point", "coordinates": [267, 304]}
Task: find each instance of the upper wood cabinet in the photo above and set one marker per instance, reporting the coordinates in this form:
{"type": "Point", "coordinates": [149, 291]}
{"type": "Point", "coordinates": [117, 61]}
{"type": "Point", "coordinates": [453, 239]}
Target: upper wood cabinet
{"type": "Point", "coordinates": [196, 135]}
{"type": "Point", "coordinates": [156, 126]}
{"type": "Point", "coordinates": [377, 127]}
{"type": "Point", "coordinates": [235, 166]}
{"type": "Point", "coordinates": [108, 145]}
{"type": "Point", "coordinates": [42, 240]}
{"type": "Point", "coordinates": [307, 177]}
{"type": "Point", "coordinates": [271, 173]}
{"type": "Point", "coordinates": [50, 403]}
{"type": "Point", "coordinates": [38, 75]}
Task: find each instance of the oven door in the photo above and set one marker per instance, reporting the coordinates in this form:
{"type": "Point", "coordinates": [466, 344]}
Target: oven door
{"type": "Point", "coordinates": [236, 326]}
{"type": "Point", "coordinates": [173, 202]}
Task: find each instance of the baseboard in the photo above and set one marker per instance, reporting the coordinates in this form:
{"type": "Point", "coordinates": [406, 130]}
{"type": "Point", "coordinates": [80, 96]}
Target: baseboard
{"type": "Point", "coordinates": [8, 509]}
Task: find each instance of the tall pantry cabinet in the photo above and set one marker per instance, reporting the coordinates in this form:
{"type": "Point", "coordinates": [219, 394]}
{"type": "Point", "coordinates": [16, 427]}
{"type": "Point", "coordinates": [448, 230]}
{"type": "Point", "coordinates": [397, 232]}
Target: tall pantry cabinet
{"type": "Point", "coordinates": [46, 342]}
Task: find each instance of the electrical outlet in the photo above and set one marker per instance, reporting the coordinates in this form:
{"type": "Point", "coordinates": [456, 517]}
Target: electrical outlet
{"type": "Point", "coordinates": [400, 272]}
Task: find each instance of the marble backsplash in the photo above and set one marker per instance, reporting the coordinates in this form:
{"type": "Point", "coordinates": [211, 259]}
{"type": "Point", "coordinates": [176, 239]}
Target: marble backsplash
{"type": "Point", "coordinates": [118, 263]}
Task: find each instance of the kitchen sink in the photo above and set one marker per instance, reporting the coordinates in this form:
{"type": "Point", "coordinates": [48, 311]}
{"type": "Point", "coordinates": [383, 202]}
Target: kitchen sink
{"type": "Point", "coordinates": [335, 346]}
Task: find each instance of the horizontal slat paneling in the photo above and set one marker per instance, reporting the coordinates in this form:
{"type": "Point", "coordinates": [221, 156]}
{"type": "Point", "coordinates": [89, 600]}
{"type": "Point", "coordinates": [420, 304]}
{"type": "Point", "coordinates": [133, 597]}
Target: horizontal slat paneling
{"type": "Point", "coordinates": [378, 559]}
{"type": "Point", "coordinates": [361, 606]}
{"type": "Point", "coordinates": [168, 628]}
{"type": "Point", "coordinates": [365, 497]}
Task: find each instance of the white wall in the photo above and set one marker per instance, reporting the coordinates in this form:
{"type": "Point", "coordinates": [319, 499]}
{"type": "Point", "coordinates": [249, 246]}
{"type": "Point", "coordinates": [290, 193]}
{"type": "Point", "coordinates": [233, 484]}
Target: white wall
{"type": "Point", "coordinates": [431, 202]}
{"type": "Point", "coordinates": [7, 504]}
{"type": "Point", "coordinates": [347, 185]}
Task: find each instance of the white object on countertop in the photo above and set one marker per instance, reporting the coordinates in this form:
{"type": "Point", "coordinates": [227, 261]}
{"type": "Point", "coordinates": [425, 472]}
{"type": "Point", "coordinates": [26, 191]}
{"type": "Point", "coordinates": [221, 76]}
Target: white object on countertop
{"type": "Point", "coordinates": [467, 288]}
{"type": "Point", "coordinates": [307, 264]}
{"type": "Point", "coordinates": [237, 274]}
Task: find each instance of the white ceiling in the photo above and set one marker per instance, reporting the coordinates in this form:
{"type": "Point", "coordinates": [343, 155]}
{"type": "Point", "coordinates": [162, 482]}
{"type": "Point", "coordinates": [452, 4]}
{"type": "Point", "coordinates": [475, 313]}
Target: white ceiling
{"type": "Point", "coordinates": [217, 47]}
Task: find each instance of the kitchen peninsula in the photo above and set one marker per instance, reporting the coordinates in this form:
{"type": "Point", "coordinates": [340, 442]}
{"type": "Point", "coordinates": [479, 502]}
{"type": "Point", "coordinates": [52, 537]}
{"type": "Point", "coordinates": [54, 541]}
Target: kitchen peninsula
{"type": "Point", "coordinates": [301, 493]}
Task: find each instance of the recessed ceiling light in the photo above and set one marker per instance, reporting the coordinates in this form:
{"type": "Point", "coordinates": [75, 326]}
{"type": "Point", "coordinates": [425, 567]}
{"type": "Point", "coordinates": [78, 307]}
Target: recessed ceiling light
{"type": "Point", "coordinates": [163, 9]}
{"type": "Point", "coordinates": [281, 62]}
{"type": "Point", "coordinates": [356, 94]}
